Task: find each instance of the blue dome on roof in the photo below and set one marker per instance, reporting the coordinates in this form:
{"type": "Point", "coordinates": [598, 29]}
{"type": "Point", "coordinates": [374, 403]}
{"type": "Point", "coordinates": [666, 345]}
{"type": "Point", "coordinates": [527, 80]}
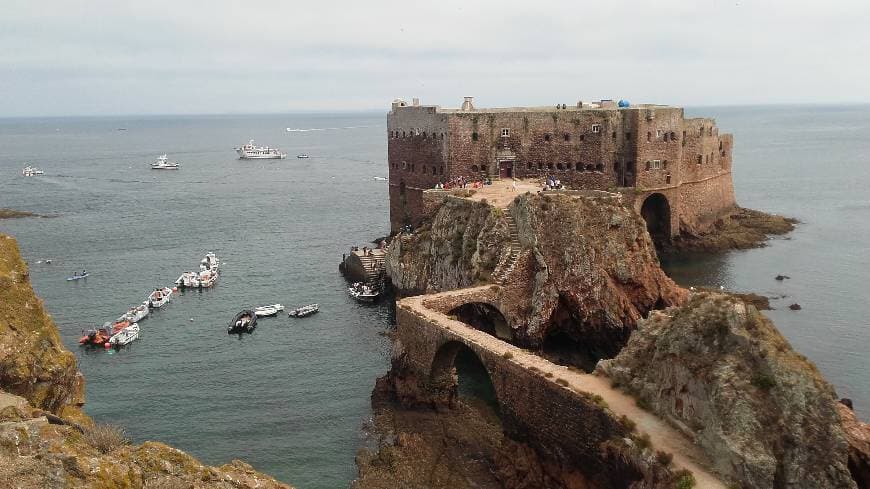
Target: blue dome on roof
{"type": "Point", "coordinates": [624, 103]}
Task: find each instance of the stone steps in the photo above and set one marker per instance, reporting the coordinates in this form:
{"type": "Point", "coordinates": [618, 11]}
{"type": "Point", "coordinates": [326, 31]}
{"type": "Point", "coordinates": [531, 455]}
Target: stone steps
{"type": "Point", "coordinates": [501, 275]}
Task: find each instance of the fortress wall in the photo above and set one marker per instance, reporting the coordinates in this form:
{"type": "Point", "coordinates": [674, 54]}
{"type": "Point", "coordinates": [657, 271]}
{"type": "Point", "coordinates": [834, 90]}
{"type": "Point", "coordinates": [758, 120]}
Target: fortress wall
{"type": "Point", "coordinates": [702, 203]}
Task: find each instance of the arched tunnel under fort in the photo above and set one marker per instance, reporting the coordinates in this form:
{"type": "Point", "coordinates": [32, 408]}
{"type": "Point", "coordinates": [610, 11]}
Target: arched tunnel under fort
{"type": "Point", "coordinates": [572, 341]}
{"type": "Point", "coordinates": [486, 318]}
{"type": "Point", "coordinates": [656, 211]}
{"type": "Point", "coordinates": [456, 368]}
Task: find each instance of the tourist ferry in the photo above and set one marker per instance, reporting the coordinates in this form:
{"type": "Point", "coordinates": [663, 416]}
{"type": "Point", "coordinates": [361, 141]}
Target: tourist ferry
{"type": "Point", "coordinates": [163, 163]}
{"type": "Point", "coordinates": [252, 152]}
{"type": "Point", "coordinates": [30, 171]}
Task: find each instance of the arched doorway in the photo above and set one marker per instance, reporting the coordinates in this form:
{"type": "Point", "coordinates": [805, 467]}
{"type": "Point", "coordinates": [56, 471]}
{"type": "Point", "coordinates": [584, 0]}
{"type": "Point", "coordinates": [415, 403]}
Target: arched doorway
{"type": "Point", "coordinates": [484, 317]}
{"type": "Point", "coordinates": [459, 372]}
{"type": "Point", "coordinates": [657, 213]}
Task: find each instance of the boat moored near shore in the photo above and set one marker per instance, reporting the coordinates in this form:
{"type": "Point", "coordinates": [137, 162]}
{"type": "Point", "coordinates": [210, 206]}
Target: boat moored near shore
{"type": "Point", "coordinates": [301, 312]}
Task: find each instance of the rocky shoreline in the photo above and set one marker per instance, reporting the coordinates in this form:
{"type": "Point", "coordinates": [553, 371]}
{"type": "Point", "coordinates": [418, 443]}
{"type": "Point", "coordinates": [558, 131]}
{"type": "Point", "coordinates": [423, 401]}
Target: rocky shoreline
{"type": "Point", "coordinates": [737, 230]}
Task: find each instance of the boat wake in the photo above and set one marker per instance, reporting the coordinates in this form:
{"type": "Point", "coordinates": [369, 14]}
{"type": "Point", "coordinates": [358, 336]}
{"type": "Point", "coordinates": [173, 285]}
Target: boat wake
{"type": "Point", "coordinates": [290, 129]}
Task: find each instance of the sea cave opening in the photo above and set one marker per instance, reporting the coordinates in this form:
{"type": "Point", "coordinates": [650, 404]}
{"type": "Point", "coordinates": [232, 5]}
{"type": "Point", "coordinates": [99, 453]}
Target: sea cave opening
{"type": "Point", "coordinates": [486, 318]}
{"type": "Point", "coordinates": [579, 342]}
{"type": "Point", "coordinates": [456, 366]}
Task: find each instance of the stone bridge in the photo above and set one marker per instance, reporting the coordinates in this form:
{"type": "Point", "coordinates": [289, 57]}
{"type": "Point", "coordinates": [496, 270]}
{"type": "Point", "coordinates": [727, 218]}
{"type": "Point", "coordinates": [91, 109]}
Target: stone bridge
{"type": "Point", "coordinates": [565, 414]}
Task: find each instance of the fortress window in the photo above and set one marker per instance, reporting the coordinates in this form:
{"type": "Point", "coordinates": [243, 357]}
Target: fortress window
{"type": "Point", "coordinates": [474, 168]}
{"type": "Point", "coordinates": [441, 171]}
{"type": "Point", "coordinates": [613, 135]}
{"type": "Point", "coordinates": [434, 170]}
{"type": "Point", "coordinates": [403, 133]}
{"type": "Point", "coordinates": [582, 138]}
{"type": "Point", "coordinates": [549, 166]}
{"type": "Point", "coordinates": [659, 134]}
{"type": "Point", "coordinates": [616, 166]}
{"type": "Point", "coordinates": [648, 165]}
{"type": "Point", "coordinates": [665, 164]}
{"type": "Point", "coordinates": [424, 134]}
{"type": "Point", "coordinates": [599, 167]}
{"type": "Point", "coordinates": [700, 159]}
{"type": "Point", "coordinates": [596, 128]}
{"type": "Point", "coordinates": [413, 167]}
{"type": "Point", "coordinates": [560, 166]}
{"type": "Point", "coordinates": [567, 137]}
{"type": "Point", "coordinates": [404, 165]}
{"type": "Point", "coordinates": [474, 136]}
{"type": "Point", "coordinates": [668, 178]}
{"type": "Point", "coordinates": [589, 167]}
{"type": "Point", "coordinates": [649, 136]}
{"type": "Point", "coordinates": [505, 132]}
{"type": "Point", "coordinates": [540, 166]}
{"type": "Point", "coordinates": [579, 166]}
{"type": "Point", "coordinates": [546, 137]}
{"type": "Point", "coordinates": [628, 135]}
{"type": "Point", "coordinates": [720, 145]}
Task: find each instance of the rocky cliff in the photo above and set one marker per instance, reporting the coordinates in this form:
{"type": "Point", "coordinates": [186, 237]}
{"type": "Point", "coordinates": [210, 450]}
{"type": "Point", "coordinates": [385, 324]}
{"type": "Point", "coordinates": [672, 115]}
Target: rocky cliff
{"type": "Point", "coordinates": [574, 268]}
{"type": "Point", "coordinates": [720, 371]}
{"type": "Point", "coordinates": [45, 439]}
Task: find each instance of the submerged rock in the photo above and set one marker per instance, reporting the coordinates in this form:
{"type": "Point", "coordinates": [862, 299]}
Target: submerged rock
{"type": "Point", "coordinates": [720, 371]}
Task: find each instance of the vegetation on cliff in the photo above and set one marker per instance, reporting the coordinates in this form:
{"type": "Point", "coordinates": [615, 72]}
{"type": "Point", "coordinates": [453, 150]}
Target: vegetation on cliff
{"type": "Point", "coordinates": [719, 370]}
{"type": "Point", "coordinates": [45, 439]}
{"type": "Point", "coordinates": [14, 214]}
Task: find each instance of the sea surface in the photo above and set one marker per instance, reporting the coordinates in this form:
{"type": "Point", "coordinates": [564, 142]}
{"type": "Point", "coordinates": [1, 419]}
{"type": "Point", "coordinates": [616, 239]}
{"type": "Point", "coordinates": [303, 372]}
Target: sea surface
{"type": "Point", "coordinates": [293, 398]}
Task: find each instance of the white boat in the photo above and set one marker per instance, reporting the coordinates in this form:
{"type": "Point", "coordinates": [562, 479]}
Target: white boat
{"type": "Point", "coordinates": [136, 314]}
{"type": "Point", "coordinates": [363, 292]}
{"type": "Point", "coordinates": [253, 152]}
{"type": "Point", "coordinates": [163, 163]}
{"type": "Point", "coordinates": [303, 156]}
{"type": "Point", "coordinates": [160, 297]}
{"type": "Point", "coordinates": [380, 179]}
{"type": "Point", "coordinates": [30, 171]}
{"type": "Point", "coordinates": [210, 262]}
{"type": "Point", "coordinates": [207, 278]}
{"type": "Point", "coordinates": [188, 280]}
{"type": "Point", "coordinates": [125, 336]}
{"type": "Point", "coordinates": [271, 310]}
{"type": "Point", "coordinates": [301, 312]}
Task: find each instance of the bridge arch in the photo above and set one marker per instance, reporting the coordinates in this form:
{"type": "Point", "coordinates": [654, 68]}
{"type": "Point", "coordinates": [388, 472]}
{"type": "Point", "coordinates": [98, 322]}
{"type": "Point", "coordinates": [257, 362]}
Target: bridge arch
{"type": "Point", "coordinates": [459, 372]}
{"type": "Point", "coordinates": [656, 211]}
{"type": "Point", "coordinates": [485, 317]}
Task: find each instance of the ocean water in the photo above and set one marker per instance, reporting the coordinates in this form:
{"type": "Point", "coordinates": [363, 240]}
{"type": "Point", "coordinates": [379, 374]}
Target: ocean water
{"type": "Point", "coordinates": [293, 398]}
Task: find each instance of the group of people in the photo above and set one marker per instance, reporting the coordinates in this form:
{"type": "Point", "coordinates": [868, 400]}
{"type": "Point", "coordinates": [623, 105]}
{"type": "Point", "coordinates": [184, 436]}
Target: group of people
{"type": "Point", "coordinates": [462, 182]}
{"type": "Point", "coordinates": [553, 184]}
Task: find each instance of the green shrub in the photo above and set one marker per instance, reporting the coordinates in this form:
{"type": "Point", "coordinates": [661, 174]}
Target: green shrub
{"type": "Point", "coordinates": [685, 479]}
{"type": "Point", "coordinates": [763, 381]}
{"type": "Point", "coordinates": [643, 441]}
{"type": "Point", "coordinates": [507, 355]}
{"type": "Point", "coordinates": [628, 423]}
{"type": "Point", "coordinates": [643, 404]}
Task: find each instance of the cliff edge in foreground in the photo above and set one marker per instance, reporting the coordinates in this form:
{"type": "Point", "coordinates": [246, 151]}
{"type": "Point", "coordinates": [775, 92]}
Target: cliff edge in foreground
{"type": "Point", "coordinates": [45, 439]}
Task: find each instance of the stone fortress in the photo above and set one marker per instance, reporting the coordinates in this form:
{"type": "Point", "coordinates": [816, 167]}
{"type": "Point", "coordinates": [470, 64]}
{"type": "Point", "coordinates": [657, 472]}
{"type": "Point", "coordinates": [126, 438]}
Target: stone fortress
{"type": "Point", "coordinates": [677, 170]}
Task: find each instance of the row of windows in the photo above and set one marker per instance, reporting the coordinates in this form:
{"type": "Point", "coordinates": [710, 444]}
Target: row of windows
{"type": "Point", "coordinates": [412, 167]}
{"type": "Point", "coordinates": [656, 165]}
{"type": "Point", "coordinates": [566, 167]}
{"type": "Point", "coordinates": [416, 132]}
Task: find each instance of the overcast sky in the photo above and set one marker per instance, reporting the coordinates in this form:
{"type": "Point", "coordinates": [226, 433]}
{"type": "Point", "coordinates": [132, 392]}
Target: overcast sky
{"type": "Point", "coordinates": [71, 57]}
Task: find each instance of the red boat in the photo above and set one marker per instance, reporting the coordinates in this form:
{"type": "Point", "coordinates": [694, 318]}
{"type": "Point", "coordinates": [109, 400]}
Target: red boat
{"type": "Point", "coordinates": [96, 337]}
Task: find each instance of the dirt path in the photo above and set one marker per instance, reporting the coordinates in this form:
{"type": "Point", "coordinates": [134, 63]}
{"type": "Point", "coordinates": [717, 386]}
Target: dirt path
{"type": "Point", "coordinates": [663, 436]}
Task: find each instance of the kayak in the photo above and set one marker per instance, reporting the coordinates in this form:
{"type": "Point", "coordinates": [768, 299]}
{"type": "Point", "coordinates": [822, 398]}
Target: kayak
{"type": "Point", "coordinates": [77, 277]}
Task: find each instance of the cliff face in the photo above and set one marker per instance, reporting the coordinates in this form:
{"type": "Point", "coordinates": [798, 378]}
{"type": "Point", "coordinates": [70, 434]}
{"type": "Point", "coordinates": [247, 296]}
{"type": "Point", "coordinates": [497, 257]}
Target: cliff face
{"type": "Point", "coordinates": [720, 371]}
{"type": "Point", "coordinates": [574, 268]}
{"type": "Point", "coordinates": [33, 362]}
{"type": "Point", "coordinates": [45, 439]}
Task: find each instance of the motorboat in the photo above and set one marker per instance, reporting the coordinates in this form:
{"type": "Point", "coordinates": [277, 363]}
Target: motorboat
{"type": "Point", "coordinates": [252, 152]}
{"type": "Point", "coordinates": [207, 278]}
{"type": "Point", "coordinates": [303, 156]}
{"type": "Point", "coordinates": [163, 163]}
{"type": "Point", "coordinates": [301, 312]}
{"type": "Point", "coordinates": [95, 337]}
{"type": "Point", "coordinates": [272, 310]}
{"type": "Point", "coordinates": [243, 322]}
{"type": "Point", "coordinates": [380, 179]}
{"type": "Point", "coordinates": [76, 276]}
{"type": "Point", "coordinates": [125, 336]}
{"type": "Point", "coordinates": [210, 262]}
{"type": "Point", "coordinates": [159, 297]}
{"type": "Point", "coordinates": [116, 327]}
{"type": "Point", "coordinates": [30, 171]}
{"type": "Point", "coordinates": [137, 313]}
{"type": "Point", "coordinates": [188, 280]}
{"type": "Point", "coordinates": [363, 292]}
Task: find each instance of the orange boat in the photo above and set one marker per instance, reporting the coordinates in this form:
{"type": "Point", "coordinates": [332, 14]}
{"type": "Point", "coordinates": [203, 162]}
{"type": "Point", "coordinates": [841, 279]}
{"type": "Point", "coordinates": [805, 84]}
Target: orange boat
{"type": "Point", "coordinates": [97, 337]}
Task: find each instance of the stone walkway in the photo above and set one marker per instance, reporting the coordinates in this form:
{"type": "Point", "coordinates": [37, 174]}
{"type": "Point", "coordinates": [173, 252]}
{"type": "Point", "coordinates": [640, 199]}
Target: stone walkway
{"type": "Point", "coordinates": [502, 192]}
{"type": "Point", "coordinates": [663, 436]}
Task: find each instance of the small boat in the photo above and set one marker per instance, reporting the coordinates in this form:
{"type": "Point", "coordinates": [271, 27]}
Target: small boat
{"type": "Point", "coordinates": [188, 280]}
{"type": "Point", "coordinates": [243, 322]}
{"type": "Point", "coordinates": [159, 297]}
{"type": "Point", "coordinates": [303, 156]}
{"type": "Point", "coordinates": [264, 311]}
{"type": "Point", "coordinates": [380, 179]}
{"type": "Point", "coordinates": [95, 337]}
{"type": "Point", "coordinates": [137, 313]}
{"type": "Point", "coordinates": [363, 292]}
{"type": "Point", "coordinates": [301, 312]}
{"type": "Point", "coordinates": [207, 278]}
{"type": "Point", "coordinates": [163, 163]}
{"type": "Point", "coordinates": [252, 152]}
{"type": "Point", "coordinates": [76, 276]}
{"type": "Point", "coordinates": [210, 262]}
{"type": "Point", "coordinates": [125, 336]}
{"type": "Point", "coordinates": [30, 171]}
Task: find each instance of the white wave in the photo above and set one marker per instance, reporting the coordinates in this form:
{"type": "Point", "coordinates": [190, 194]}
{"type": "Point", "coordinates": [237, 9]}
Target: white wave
{"type": "Point", "coordinates": [291, 129]}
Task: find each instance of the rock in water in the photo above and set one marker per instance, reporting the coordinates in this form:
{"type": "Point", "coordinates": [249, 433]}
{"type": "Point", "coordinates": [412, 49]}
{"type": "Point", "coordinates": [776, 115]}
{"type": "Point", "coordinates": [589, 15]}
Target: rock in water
{"type": "Point", "coordinates": [720, 371]}
{"type": "Point", "coordinates": [795, 307]}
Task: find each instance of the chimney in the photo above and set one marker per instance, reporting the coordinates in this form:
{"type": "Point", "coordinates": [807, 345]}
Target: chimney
{"type": "Point", "coordinates": [415, 101]}
{"type": "Point", "coordinates": [468, 103]}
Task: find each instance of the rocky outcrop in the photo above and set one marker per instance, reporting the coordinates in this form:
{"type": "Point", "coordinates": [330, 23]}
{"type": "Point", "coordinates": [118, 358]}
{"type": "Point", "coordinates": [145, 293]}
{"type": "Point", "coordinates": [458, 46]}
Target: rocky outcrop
{"type": "Point", "coordinates": [586, 268]}
{"type": "Point", "coordinates": [736, 230]}
{"type": "Point", "coordinates": [33, 362]}
{"type": "Point", "coordinates": [45, 439]}
{"type": "Point", "coordinates": [858, 436]}
{"type": "Point", "coordinates": [720, 371]}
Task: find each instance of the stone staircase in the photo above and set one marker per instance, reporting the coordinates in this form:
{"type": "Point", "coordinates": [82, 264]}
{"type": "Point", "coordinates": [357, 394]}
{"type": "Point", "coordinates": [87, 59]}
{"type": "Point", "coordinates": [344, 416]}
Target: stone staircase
{"type": "Point", "coordinates": [501, 274]}
{"type": "Point", "coordinates": [374, 267]}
